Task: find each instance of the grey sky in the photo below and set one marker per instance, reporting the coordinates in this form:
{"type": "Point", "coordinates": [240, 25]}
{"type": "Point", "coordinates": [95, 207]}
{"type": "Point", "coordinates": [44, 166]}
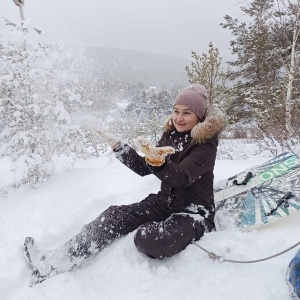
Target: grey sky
{"type": "Point", "coordinates": [174, 27]}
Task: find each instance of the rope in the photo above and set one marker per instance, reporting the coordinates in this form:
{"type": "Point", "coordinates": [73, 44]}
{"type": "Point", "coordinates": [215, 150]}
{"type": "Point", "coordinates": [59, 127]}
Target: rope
{"type": "Point", "coordinates": [214, 256]}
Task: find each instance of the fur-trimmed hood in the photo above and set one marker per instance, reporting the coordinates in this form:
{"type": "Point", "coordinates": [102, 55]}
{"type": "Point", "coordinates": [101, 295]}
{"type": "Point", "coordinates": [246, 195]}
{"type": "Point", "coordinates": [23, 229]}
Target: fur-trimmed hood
{"type": "Point", "coordinates": [212, 125]}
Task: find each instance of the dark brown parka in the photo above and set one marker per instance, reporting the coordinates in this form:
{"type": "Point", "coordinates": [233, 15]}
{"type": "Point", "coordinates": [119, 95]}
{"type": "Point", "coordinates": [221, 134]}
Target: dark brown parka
{"type": "Point", "coordinates": [187, 176]}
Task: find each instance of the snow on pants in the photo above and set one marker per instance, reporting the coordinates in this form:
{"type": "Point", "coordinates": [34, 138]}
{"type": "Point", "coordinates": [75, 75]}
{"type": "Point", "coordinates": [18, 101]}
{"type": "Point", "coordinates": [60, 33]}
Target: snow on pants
{"type": "Point", "coordinates": [162, 232]}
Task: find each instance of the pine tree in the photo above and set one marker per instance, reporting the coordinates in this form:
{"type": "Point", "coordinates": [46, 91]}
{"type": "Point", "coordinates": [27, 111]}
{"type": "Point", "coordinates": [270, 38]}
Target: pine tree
{"type": "Point", "coordinates": [207, 70]}
{"type": "Point", "coordinates": [256, 90]}
{"type": "Point", "coordinates": [260, 71]}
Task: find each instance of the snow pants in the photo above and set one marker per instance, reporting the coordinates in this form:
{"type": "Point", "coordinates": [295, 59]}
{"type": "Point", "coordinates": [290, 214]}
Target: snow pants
{"type": "Point", "coordinates": [162, 231]}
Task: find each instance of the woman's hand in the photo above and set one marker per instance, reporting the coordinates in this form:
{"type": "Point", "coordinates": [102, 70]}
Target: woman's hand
{"type": "Point", "coordinates": [154, 156]}
{"type": "Point", "coordinates": [109, 138]}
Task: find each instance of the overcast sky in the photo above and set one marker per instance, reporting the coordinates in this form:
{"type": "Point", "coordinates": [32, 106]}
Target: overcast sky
{"type": "Point", "coordinates": [174, 27]}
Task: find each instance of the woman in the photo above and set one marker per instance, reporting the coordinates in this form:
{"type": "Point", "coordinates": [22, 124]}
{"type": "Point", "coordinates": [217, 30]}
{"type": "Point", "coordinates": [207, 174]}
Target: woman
{"type": "Point", "coordinates": [166, 222]}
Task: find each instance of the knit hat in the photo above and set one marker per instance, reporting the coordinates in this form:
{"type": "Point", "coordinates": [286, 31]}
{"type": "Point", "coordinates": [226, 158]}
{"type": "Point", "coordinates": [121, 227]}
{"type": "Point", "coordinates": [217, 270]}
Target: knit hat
{"type": "Point", "coordinates": [194, 97]}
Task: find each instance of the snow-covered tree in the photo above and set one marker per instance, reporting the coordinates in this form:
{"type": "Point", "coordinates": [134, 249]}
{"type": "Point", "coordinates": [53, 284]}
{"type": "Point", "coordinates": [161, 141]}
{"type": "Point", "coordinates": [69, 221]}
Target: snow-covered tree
{"type": "Point", "coordinates": [154, 107]}
{"type": "Point", "coordinates": [32, 96]}
{"type": "Point", "coordinates": [143, 116]}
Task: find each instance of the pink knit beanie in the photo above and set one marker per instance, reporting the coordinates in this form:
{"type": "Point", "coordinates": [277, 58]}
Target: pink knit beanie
{"type": "Point", "coordinates": [194, 97]}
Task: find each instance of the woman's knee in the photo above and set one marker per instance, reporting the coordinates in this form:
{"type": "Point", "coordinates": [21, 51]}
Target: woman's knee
{"type": "Point", "coordinates": [164, 239]}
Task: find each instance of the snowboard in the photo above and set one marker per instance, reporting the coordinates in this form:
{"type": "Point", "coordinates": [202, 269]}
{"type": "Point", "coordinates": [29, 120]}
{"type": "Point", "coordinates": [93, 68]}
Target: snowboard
{"type": "Point", "coordinates": [264, 194]}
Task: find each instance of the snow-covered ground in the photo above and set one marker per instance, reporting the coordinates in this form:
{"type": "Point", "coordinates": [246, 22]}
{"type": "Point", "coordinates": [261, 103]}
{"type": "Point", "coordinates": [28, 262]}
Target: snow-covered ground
{"type": "Point", "coordinates": [58, 209]}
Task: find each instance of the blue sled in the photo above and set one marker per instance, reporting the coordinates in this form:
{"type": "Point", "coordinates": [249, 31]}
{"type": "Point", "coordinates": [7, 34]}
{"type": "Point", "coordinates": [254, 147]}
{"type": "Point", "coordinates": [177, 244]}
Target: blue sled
{"type": "Point", "coordinates": [294, 275]}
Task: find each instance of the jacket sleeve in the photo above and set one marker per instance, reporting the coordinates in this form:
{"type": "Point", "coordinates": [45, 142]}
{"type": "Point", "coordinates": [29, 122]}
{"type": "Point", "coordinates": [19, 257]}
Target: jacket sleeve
{"type": "Point", "coordinates": [129, 157]}
{"type": "Point", "coordinates": [200, 160]}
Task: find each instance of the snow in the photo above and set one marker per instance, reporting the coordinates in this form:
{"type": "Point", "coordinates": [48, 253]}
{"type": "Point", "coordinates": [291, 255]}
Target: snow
{"type": "Point", "coordinates": [59, 208]}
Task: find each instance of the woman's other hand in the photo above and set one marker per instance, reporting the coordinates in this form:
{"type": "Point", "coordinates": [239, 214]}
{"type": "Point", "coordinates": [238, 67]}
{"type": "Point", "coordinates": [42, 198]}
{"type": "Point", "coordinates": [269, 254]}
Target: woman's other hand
{"type": "Point", "coordinates": [154, 156]}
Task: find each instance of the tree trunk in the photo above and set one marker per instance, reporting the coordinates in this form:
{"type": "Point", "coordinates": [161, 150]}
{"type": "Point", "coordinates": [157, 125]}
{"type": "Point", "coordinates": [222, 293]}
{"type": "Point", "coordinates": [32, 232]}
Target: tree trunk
{"type": "Point", "coordinates": [22, 13]}
{"type": "Point", "coordinates": [291, 77]}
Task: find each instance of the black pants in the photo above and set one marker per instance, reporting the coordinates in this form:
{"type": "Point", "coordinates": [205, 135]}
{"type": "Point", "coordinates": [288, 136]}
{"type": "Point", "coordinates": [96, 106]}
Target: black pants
{"type": "Point", "coordinates": [162, 231]}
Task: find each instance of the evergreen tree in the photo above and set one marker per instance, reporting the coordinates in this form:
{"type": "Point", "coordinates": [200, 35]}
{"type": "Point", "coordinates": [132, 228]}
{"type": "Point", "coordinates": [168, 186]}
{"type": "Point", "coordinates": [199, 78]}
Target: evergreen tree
{"type": "Point", "coordinates": [263, 73]}
{"type": "Point", "coordinates": [152, 126]}
{"type": "Point", "coordinates": [207, 70]}
{"type": "Point", "coordinates": [256, 92]}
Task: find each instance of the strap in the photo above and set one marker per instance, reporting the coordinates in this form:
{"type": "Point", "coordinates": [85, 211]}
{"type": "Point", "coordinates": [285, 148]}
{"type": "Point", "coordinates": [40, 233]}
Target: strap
{"type": "Point", "coordinates": [282, 201]}
{"type": "Point", "coordinates": [245, 181]}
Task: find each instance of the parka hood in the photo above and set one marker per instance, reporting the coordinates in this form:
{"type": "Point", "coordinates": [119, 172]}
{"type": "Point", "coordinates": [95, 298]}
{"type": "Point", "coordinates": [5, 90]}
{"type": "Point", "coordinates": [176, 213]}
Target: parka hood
{"type": "Point", "coordinates": [202, 132]}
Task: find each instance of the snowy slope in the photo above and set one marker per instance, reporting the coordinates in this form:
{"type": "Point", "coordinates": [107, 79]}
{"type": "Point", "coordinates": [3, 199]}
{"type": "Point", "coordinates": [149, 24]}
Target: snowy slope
{"type": "Point", "coordinates": [59, 208]}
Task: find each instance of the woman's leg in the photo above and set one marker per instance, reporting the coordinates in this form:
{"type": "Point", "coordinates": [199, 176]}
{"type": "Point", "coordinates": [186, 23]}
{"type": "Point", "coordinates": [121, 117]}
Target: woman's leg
{"type": "Point", "coordinates": [114, 222]}
{"type": "Point", "coordinates": [166, 238]}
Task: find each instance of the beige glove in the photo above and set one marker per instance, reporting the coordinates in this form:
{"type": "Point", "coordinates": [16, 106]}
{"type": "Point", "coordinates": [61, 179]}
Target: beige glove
{"type": "Point", "coordinates": [109, 138]}
{"type": "Point", "coordinates": [154, 156]}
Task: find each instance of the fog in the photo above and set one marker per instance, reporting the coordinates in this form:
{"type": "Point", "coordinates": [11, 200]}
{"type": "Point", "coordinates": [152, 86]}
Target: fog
{"type": "Point", "coordinates": [173, 27]}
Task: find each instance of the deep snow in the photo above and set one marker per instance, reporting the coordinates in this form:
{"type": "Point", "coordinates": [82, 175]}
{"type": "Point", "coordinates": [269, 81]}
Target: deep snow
{"type": "Point", "coordinates": [59, 208]}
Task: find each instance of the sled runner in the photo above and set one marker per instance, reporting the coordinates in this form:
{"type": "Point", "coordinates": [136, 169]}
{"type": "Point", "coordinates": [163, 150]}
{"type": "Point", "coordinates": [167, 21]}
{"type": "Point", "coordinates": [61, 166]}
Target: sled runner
{"type": "Point", "coordinates": [264, 194]}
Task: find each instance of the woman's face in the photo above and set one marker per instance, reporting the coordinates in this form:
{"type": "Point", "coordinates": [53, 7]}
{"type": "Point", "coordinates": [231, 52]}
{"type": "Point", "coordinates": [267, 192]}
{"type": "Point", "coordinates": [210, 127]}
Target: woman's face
{"type": "Point", "coordinates": [183, 118]}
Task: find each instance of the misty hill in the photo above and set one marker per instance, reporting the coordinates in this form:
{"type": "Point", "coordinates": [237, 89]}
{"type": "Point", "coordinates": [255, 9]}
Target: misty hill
{"type": "Point", "coordinates": [133, 67]}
